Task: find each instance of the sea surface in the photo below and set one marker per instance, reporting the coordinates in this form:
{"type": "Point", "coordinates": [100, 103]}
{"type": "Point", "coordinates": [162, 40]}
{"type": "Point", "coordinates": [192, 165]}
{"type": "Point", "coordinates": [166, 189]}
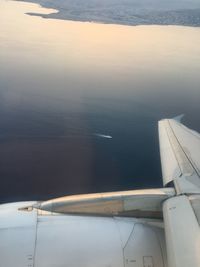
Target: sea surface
{"type": "Point", "coordinates": [80, 101]}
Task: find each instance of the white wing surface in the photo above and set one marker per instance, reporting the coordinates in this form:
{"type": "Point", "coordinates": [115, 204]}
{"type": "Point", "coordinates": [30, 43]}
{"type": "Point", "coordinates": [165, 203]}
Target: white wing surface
{"type": "Point", "coordinates": [180, 156]}
{"type": "Point", "coordinates": [182, 232]}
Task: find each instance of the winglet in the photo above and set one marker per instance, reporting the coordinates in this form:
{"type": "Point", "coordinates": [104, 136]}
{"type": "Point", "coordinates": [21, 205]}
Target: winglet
{"type": "Point", "coordinates": [179, 117]}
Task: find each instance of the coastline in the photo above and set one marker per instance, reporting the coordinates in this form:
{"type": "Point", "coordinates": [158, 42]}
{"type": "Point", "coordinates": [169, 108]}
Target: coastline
{"type": "Point", "coordinates": [131, 17]}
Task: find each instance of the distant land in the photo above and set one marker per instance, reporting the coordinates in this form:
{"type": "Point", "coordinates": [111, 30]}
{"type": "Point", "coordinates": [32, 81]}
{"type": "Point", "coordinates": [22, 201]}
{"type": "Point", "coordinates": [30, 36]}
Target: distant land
{"type": "Point", "coordinates": [126, 12]}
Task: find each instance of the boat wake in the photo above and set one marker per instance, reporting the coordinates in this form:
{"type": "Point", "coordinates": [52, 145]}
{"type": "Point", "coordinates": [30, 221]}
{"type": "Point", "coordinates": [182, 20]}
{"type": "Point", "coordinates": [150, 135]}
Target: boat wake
{"type": "Point", "coordinates": [103, 136]}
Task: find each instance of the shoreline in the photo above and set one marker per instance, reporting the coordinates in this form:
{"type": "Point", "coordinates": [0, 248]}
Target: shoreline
{"type": "Point", "coordinates": [159, 18]}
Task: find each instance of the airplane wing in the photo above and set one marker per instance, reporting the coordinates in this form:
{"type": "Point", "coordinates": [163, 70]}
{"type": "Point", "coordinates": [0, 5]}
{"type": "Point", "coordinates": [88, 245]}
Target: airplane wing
{"type": "Point", "coordinates": [180, 156]}
{"type": "Point", "coordinates": [180, 160]}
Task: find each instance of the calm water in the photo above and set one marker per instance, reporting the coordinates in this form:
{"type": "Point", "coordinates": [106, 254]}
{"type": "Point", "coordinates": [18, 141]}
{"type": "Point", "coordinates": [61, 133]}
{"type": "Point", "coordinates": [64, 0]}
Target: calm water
{"type": "Point", "coordinates": [62, 82]}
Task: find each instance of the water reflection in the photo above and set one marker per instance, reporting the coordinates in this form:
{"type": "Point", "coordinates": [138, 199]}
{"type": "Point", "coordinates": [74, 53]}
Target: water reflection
{"type": "Point", "coordinates": [62, 82]}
